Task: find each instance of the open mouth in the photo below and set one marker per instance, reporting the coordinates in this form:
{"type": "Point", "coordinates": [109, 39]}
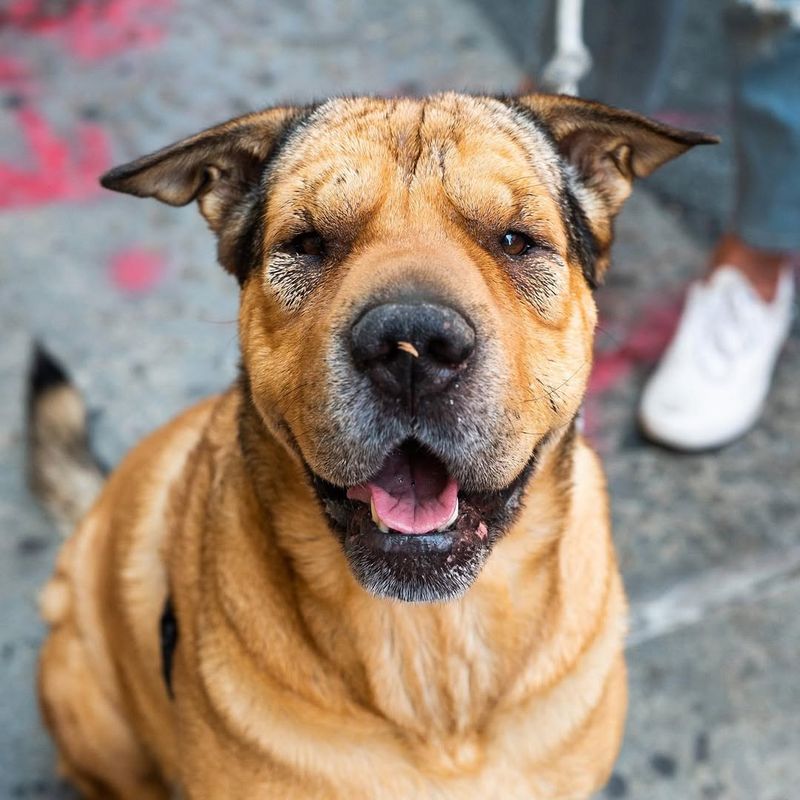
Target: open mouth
{"type": "Point", "coordinates": [411, 532]}
{"type": "Point", "coordinates": [412, 493]}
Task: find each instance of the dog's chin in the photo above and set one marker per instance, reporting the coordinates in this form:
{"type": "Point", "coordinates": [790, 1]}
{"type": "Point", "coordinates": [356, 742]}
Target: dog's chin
{"type": "Point", "coordinates": [427, 566]}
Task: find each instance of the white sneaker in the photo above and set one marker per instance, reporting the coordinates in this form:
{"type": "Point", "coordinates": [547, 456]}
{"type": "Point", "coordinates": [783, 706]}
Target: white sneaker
{"type": "Point", "coordinates": [712, 381]}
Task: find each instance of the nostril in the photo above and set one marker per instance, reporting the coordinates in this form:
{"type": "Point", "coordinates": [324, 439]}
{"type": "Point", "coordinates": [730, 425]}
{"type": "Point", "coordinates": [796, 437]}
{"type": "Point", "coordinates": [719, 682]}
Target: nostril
{"type": "Point", "coordinates": [411, 349]}
{"type": "Point", "coordinates": [451, 351]}
{"type": "Point", "coordinates": [369, 344]}
{"type": "Point", "coordinates": [373, 352]}
{"type": "Point", "coordinates": [382, 351]}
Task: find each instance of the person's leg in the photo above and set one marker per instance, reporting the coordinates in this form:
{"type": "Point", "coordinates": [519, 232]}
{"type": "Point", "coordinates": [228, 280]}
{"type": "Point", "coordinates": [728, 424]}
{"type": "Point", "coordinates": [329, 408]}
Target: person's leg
{"type": "Point", "coordinates": [760, 265]}
{"type": "Point", "coordinates": [712, 382]}
{"type": "Point", "coordinates": [765, 229]}
{"type": "Point", "coordinates": [632, 46]}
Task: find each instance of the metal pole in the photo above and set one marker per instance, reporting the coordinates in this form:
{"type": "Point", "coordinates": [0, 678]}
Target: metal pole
{"type": "Point", "coordinates": [572, 59]}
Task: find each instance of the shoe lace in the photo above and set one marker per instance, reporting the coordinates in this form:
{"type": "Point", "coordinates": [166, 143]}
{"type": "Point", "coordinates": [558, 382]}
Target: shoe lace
{"type": "Point", "coordinates": [728, 323]}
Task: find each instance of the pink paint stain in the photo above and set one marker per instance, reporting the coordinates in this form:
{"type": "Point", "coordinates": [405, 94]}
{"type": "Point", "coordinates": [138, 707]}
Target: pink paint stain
{"type": "Point", "coordinates": [642, 346]}
{"type": "Point", "coordinates": [13, 73]}
{"type": "Point", "coordinates": [136, 270]}
{"type": "Point", "coordinates": [56, 170]}
{"type": "Point", "coordinates": [92, 30]}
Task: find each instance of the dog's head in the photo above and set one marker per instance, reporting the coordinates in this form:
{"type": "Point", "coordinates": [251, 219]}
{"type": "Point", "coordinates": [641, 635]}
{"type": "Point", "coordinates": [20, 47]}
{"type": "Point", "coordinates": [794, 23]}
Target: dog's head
{"type": "Point", "coordinates": [416, 312]}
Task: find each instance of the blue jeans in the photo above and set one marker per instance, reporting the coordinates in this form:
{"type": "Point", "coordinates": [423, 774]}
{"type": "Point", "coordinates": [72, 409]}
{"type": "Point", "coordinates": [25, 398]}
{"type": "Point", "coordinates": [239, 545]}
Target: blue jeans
{"type": "Point", "coordinates": [764, 43]}
{"type": "Point", "coordinates": [766, 91]}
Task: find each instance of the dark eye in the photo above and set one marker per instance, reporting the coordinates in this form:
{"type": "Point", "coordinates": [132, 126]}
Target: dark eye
{"type": "Point", "coordinates": [515, 244]}
{"type": "Point", "coordinates": [309, 243]}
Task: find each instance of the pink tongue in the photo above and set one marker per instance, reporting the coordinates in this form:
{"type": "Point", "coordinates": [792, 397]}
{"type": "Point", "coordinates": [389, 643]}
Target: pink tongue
{"type": "Point", "coordinates": [412, 492]}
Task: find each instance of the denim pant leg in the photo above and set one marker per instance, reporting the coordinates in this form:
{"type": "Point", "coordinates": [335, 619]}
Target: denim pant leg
{"type": "Point", "coordinates": [766, 91]}
{"type": "Point", "coordinates": [632, 43]}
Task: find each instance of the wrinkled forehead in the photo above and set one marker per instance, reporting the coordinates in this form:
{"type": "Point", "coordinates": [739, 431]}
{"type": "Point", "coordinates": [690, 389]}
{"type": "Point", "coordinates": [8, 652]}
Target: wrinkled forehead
{"type": "Point", "coordinates": [488, 158]}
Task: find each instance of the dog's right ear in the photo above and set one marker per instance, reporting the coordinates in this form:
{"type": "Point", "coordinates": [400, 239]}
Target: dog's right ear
{"type": "Point", "coordinates": [220, 168]}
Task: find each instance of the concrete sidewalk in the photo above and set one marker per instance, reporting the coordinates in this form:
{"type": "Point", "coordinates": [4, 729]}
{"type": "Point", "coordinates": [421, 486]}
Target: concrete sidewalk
{"type": "Point", "coordinates": [128, 295]}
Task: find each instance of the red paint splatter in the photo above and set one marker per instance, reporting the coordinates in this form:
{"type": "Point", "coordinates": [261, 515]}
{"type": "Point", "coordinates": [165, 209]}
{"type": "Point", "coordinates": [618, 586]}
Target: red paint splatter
{"type": "Point", "coordinates": [642, 346]}
{"type": "Point", "coordinates": [136, 269]}
{"type": "Point", "coordinates": [91, 29]}
{"type": "Point", "coordinates": [13, 73]}
{"type": "Point", "coordinates": [609, 369]}
{"type": "Point", "coordinates": [56, 171]}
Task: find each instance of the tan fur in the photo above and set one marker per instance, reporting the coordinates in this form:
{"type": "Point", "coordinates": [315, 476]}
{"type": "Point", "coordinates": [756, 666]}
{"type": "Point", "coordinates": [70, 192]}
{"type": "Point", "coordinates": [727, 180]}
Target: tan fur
{"type": "Point", "coordinates": [290, 680]}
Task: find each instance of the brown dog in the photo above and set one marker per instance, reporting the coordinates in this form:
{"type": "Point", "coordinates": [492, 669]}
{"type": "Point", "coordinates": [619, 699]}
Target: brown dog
{"type": "Point", "coordinates": [381, 562]}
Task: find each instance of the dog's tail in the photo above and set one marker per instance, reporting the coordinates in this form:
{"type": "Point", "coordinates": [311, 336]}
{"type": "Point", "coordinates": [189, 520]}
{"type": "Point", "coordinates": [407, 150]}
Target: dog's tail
{"type": "Point", "coordinates": [63, 472]}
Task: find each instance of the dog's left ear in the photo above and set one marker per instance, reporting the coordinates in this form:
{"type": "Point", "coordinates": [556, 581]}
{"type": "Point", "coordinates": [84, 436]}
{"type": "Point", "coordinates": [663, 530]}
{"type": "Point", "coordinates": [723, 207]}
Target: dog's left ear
{"type": "Point", "coordinates": [220, 168]}
{"type": "Point", "coordinates": [609, 147]}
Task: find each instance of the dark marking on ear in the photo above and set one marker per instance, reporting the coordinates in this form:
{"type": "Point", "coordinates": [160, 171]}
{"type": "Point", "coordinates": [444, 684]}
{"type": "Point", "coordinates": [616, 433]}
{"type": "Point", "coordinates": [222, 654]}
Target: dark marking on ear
{"type": "Point", "coordinates": [583, 244]}
{"type": "Point", "coordinates": [246, 250]}
{"type": "Point", "coordinates": [606, 149]}
{"type": "Point", "coordinates": [223, 168]}
{"type": "Point", "coordinates": [168, 633]}
{"type": "Point", "coordinates": [609, 147]}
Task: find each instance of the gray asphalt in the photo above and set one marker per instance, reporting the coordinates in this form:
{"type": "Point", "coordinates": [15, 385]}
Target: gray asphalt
{"type": "Point", "coordinates": [128, 295]}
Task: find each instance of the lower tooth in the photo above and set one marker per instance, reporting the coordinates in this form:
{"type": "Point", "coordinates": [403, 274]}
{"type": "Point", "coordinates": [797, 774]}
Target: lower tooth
{"type": "Point", "coordinates": [376, 519]}
{"type": "Point", "coordinates": [452, 519]}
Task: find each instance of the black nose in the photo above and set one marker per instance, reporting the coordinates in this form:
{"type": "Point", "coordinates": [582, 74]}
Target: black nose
{"type": "Point", "coordinates": [410, 350]}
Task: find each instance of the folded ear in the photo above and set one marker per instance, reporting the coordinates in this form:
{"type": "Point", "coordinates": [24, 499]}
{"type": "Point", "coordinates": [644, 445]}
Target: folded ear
{"type": "Point", "coordinates": [607, 148]}
{"type": "Point", "coordinates": [220, 167]}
